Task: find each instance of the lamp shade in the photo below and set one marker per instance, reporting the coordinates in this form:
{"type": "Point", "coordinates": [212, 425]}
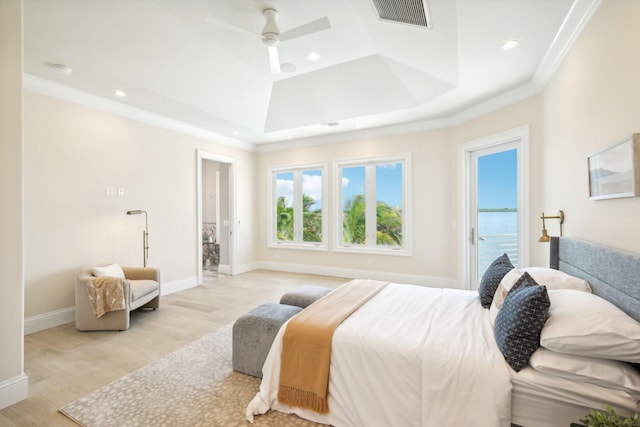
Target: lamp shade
{"type": "Point", "coordinates": [545, 236]}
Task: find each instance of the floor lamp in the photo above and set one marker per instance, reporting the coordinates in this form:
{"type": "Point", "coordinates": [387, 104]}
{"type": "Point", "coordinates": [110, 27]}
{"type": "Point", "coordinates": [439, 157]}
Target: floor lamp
{"type": "Point", "coordinates": [145, 234]}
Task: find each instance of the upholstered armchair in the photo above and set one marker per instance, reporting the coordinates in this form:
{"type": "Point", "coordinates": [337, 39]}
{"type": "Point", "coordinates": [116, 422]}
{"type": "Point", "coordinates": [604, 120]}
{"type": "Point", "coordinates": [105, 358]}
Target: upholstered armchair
{"type": "Point", "coordinates": [141, 287]}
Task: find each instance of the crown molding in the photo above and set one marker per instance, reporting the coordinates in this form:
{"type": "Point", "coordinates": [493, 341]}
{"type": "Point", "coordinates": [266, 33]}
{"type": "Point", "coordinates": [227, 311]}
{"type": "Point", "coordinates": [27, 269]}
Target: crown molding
{"type": "Point", "coordinates": [512, 96]}
{"type": "Point", "coordinates": [579, 15]}
{"type": "Point", "coordinates": [576, 20]}
{"type": "Point", "coordinates": [65, 93]}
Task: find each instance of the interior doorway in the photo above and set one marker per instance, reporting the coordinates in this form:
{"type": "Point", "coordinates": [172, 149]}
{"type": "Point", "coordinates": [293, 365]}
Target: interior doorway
{"type": "Point", "coordinates": [216, 216]}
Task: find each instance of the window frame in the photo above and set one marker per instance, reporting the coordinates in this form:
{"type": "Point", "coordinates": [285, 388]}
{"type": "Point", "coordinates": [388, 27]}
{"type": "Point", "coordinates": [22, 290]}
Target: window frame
{"type": "Point", "coordinates": [371, 247]}
{"type": "Point", "coordinates": [297, 243]}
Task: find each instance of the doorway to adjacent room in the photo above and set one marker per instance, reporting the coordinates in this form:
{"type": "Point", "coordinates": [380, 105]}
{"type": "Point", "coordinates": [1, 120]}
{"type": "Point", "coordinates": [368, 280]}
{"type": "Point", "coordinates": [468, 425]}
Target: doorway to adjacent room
{"type": "Point", "coordinates": [216, 212]}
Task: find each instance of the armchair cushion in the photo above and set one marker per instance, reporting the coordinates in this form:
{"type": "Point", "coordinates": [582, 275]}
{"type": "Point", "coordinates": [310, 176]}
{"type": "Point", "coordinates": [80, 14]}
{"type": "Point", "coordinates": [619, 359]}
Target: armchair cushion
{"type": "Point", "coordinates": [140, 288]}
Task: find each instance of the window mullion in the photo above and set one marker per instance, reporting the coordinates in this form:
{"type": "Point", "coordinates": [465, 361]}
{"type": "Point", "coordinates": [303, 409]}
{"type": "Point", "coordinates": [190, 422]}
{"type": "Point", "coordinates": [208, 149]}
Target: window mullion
{"type": "Point", "coordinates": [297, 206]}
{"type": "Point", "coordinates": [370, 197]}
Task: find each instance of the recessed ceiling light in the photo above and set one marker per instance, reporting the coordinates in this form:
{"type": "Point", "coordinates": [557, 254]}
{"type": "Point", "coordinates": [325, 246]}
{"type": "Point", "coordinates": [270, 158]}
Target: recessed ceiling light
{"type": "Point", "coordinates": [62, 69]}
{"type": "Point", "coordinates": [313, 56]}
{"type": "Point", "coordinates": [287, 67]}
{"type": "Point", "coordinates": [235, 132]}
{"type": "Point", "coordinates": [510, 44]}
{"type": "Point", "coordinates": [120, 93]}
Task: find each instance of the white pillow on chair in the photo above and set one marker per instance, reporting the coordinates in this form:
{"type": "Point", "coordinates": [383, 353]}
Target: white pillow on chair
{"type": "Point", "coordinates": [113, 270]}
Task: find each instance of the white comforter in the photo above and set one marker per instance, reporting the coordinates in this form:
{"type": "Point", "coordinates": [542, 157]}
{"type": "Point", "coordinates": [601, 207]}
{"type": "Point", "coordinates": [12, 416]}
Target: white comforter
{"type": "Point", "coordinates": [411, 356]}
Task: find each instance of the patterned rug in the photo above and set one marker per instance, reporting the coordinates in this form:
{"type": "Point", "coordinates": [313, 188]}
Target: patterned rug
{"type": "Point", "coordinates": [193, 386]}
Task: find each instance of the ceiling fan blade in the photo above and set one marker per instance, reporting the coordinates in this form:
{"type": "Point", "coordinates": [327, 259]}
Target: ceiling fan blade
{"type": "Point", "coordinates": [274, 60]}
{"type": "Point", "coordinates": [306, 29]}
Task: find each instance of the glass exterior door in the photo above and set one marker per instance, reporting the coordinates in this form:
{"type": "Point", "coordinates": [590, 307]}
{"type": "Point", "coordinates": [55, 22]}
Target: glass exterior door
{"type": "Point", "coordinates": [494, 209]}
{"type": "Point", "coordinates": [497, 208]}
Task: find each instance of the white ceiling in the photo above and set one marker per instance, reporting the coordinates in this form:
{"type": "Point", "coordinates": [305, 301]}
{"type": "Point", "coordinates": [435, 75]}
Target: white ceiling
{"type": "Point", "coordinates": [202, 62]}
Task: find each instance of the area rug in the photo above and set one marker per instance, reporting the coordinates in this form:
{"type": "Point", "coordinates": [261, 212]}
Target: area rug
{"type": "Point", "coordinates": [193, 386]}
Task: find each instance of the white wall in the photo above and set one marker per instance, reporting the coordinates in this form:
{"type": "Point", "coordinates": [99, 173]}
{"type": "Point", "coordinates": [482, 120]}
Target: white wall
{"type": "Point", "coordinates": [72, 154]}
{"type": "Point", "coordinates": [525, 112]}
{"type": "Point", "coordinates": [434, 261]}
{"type": "Point", "coordinates": [594, 101]}
{"type": "Point", "coordinates": [13, 381]}
{"type": "Point", "coordinates": [435, 198]}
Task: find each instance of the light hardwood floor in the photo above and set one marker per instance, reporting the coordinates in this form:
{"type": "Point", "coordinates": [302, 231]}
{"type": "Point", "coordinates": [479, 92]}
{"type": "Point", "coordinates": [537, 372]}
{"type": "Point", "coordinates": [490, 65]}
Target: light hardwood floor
{"type": "Point", "coordinates": [63, 364]}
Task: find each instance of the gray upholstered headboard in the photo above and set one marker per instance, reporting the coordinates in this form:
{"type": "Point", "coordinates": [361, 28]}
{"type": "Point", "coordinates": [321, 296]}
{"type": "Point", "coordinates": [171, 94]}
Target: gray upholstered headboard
{"type": "Point", "coordinates": [613, 274]}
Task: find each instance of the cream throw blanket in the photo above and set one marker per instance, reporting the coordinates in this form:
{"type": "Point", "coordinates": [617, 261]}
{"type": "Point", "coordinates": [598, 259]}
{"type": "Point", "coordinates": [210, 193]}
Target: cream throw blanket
{"type": "Point", "coordinates": [306, 345]}
{"type": "Point", "coordinates": [106, 293]}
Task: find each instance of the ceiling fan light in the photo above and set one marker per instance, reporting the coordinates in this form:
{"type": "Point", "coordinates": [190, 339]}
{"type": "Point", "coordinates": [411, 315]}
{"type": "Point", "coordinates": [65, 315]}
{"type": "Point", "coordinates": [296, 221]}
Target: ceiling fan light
{"type": "Point", "coordinates": [62, 69]}
{"type": "Point", "coordinates": [510, 44]}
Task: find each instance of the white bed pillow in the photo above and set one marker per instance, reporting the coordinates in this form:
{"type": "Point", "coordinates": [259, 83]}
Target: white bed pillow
{"type": "Point", "coordinates": [601, 372]}
{"type": "Point", "coordinates": [113, 270]}
{"type": "Point", "coordinates": [504, 287]}
{"type": "Point", "coordinates": [586, 325]}
{"type": "Point", "coordinates": [548, 277]}
{"type": "Point", "coordinates": [556, 279]}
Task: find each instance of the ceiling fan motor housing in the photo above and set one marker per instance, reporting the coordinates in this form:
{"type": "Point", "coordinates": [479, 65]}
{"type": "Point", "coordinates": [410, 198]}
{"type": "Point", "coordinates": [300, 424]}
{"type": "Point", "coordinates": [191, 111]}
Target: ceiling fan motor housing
{"type": "Point", "coordinates": [270, 31]}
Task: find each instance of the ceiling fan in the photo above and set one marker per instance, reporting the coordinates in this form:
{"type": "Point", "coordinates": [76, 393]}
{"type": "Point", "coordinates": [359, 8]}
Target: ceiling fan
{"type": "Point", "coordinates": [272, 37]}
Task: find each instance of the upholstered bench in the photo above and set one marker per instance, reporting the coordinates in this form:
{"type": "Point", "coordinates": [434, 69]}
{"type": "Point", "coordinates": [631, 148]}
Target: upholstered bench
{"type": "Point", "coordinates": [253, 334]}
{"type": "Point", "coordinates": [304, 295]}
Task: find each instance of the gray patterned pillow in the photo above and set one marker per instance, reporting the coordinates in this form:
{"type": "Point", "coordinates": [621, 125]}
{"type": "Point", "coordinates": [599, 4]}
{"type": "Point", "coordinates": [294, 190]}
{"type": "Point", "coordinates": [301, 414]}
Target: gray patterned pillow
{"type": "Point", "coordinates": [520, 322]}
{"type": "Point", "coordinates": [492, 277]}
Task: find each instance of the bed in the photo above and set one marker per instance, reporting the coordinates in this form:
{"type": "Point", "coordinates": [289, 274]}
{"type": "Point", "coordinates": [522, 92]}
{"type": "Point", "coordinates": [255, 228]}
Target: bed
{"type": "Point", "coordinates": [417, 356]}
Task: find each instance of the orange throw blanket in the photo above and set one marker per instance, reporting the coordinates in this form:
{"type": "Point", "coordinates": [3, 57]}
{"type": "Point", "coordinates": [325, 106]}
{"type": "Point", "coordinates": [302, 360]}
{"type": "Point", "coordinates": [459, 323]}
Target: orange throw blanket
{"type": "Point", "coordinates": [306, 345]}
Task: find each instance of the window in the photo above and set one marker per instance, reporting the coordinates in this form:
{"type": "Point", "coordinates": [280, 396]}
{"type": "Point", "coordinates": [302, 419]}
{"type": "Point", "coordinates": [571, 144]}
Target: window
{"type": "Point", "coordinates": [298, 218]}
{"type": "Point", "coordinates": [373, 205]}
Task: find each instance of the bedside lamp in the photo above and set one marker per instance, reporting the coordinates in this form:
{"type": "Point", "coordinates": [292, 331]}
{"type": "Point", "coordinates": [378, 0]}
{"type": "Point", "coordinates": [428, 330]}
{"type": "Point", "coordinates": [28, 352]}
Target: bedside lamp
{"type": "Point", "coordinates": [545, 236]}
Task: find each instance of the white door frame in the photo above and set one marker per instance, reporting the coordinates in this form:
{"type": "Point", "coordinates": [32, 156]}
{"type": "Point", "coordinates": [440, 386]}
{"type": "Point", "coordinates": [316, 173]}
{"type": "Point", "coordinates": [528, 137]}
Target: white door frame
{"type": "Point", "coordinates": [231, 162]}
{"type": "Point", "coordinates": [519, 136]}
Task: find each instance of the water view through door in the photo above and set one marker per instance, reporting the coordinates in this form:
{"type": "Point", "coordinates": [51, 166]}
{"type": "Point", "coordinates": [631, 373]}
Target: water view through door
{"type": "Point", "coordinates": [496, 208]}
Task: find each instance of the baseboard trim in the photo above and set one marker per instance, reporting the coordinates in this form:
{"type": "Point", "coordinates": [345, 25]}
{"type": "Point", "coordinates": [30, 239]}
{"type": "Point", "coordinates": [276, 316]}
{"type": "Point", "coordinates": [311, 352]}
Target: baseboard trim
{"type": "Point", "coordinates": [14, 390]}
{"type": "Point", "coordinates": [224, 269]}
{"type": "Point", "coordinates": [48, 320]}
{"type": "Point", "coordinates": [52, 319]}
{"type": "Point", "coordinates": [179, 285]}
{"type": "Point", "coordinates": [66, 315]}
{"type": "Point", "coordinates": [350, 273]}
{"type": "Point", "coordinates": [245, 268]}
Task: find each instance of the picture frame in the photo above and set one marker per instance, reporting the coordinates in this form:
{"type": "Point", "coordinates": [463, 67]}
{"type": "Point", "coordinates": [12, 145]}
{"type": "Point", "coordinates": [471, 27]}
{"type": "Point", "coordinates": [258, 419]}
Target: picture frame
{"type": "Point", "coordinates": [614, 172]}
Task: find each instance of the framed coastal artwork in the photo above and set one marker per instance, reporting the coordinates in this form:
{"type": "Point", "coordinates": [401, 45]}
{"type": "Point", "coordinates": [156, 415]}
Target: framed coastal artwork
{"type": "Point", "coordinates": [614, 172]}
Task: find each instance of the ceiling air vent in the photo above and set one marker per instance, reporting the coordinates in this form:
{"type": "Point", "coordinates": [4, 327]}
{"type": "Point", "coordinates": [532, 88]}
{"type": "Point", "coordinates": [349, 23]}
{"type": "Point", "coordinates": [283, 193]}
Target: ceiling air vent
{"type": "Point", "coordinates": [411, 12]}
